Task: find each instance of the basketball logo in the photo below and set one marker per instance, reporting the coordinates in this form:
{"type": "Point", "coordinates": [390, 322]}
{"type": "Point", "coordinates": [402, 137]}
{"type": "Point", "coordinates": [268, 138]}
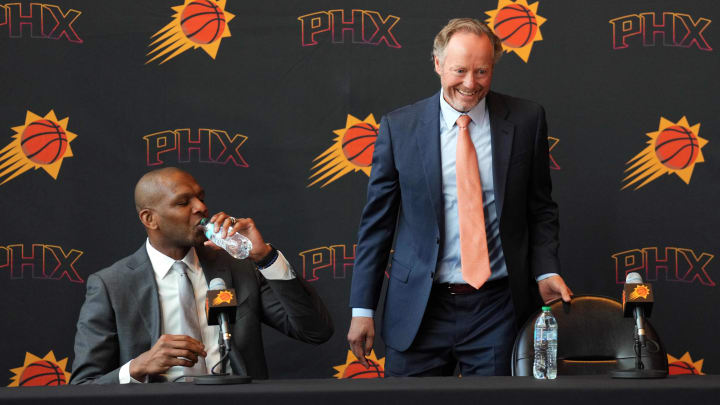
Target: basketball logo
{"type": "Point", "coordinates": [352, 150]}
{"type": "Point", "coordinates": [195, 24]}
{"type": "Point", "coordinates": [36, 371]}
{"type": "Point", "coordinates": [358, 144]}
{"type": "Point", "coordinates": [202, 21]}
{"type": "Point", "coordinates": [676, 147]}
{"type": "Point", "coordinates": [515, 25]}
{"type": "Point", "coordinates": [43, 141]}
{"type": "Point", "coordinates": [684, 365]}
{"type": "Point", "coordinates": [357, 370]}
{"type": "Point", "coordinates": [354, 369]}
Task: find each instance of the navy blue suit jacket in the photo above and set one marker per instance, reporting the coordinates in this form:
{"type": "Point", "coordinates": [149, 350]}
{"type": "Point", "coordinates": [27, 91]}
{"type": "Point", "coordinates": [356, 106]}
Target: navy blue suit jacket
{"type": "Point", "coordinates": [405, 206]}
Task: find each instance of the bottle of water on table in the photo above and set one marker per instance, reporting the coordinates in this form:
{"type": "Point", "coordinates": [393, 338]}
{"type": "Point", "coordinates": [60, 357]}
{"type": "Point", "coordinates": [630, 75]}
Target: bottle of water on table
{"type": "Point", "coordinates": [545, 361]}
{"type": "Point", "coordinates": [237, 245]}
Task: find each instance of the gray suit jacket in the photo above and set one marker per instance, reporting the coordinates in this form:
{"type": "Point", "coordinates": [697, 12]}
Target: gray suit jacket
{"type": "Point", "coordinates": [120, 318]}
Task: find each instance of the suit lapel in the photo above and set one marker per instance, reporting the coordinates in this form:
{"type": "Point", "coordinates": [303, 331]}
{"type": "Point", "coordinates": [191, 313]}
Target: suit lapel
{"type": "Point", "coordinates": [427, 137]}
{"type": "Point", "coordinates": [214, 265]}
{"type": "Point", "coordinates": [501, 135]}
{"type": "Point", "coordinates": [145, 291]}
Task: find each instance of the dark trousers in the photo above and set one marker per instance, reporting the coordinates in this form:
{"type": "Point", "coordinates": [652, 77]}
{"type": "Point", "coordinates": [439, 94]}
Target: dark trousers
{"type": "Point", "coordinates": [472, 333]}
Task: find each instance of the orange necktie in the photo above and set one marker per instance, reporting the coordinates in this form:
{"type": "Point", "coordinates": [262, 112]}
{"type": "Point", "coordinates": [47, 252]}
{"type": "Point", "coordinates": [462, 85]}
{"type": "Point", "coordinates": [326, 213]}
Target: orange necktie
{"type": "Point", "coordinates": [473, 242]}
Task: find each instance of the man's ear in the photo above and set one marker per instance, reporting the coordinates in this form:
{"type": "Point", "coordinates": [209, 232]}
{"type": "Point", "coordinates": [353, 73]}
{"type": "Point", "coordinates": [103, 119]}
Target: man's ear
{"type": "Point", "coordinates": [436, 62]}
{"type": "Point", "coordinates": [148, 218]}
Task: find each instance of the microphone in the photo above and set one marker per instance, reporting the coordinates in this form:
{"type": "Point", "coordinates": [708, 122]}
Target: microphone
{"type": "Point", "coordinates": [637, 300]}
{"type": "Point", "coordinates": [220, 307]}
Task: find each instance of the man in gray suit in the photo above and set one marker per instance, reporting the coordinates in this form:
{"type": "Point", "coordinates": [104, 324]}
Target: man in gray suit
{"type": "Point", "coordinates": [130, 326]}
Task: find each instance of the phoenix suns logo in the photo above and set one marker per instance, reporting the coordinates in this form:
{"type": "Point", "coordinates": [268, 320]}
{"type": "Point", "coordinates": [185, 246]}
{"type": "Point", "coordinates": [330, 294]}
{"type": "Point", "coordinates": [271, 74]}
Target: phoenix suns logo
{"type": "Point", "coordinates": [40, 143]}
{"type": "Point", "coordinates": [675, 148]}
{"type": "Point", "coordinates": [684, 365]}
{"type": "Point", "coordinates": [353, 369]}
{"type": "Point", "coordinates": [195, 24]}
{"type": "Point", "coordinates": [352, 150]}
{"type": "Point", "coordinates": [517, 24]}
{"type": "Point", "coordinates": [37, 371]}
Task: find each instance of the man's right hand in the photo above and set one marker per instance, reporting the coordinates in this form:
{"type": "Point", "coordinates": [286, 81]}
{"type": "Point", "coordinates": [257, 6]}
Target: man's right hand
{"type": "Point", "coordinates": [361, 337]}
{"type": "Point", "coordinates": [166, 353]}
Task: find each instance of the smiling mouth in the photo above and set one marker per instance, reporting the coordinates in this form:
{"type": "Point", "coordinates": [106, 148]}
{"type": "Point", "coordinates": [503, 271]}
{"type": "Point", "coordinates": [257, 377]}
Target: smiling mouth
{"type": "Point", "coordinates": [467, 93]}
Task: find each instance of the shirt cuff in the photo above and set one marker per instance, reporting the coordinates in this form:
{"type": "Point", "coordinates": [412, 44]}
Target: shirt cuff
{"type": "Point", "coordinates": [280, 270]}
{"type": "Point", "coordinates": [366, 312]}
{"type": "Point", "coordinates": [544, 276]}
{"type": "Point", "coordinates": [125, 377]}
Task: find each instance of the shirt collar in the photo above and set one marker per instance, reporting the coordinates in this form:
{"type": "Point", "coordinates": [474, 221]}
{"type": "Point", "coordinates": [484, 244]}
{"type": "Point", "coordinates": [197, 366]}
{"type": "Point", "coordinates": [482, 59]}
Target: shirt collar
{"type": "Point", "coordinates": [450, 115]}
{"type": "Point", "coordinates": [162, 264]}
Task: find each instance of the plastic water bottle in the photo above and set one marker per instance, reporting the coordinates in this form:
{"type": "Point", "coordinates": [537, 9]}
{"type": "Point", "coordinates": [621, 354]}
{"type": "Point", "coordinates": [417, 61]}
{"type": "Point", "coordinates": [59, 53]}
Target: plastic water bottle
{"type": "Point", "coordinates": [237, 245]}
{"type": "Point", "coordinates": [545, 361]}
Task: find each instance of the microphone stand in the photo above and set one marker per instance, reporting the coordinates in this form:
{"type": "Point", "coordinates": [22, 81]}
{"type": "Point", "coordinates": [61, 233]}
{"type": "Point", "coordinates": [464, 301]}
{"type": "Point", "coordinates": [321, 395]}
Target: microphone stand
{"type": "Point", "coordinates": [222, 378]}
{"type": "Point", "coordinates": [639, 371]}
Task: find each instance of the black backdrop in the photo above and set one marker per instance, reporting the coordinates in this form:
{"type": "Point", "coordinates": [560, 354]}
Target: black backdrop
{"type": "Point", "coordinates": [290, 103]}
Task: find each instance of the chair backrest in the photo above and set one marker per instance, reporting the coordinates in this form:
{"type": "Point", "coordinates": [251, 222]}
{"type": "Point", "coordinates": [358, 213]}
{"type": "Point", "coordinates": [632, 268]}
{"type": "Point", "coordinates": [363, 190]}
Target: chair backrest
{"type": "Point", "coordinates": [593, 338]}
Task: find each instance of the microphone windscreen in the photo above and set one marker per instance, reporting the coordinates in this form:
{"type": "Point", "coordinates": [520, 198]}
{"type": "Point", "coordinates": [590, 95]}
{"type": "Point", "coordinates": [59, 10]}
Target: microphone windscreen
{"type": "Point", "coordinates": [632, 278]}
{"type": "Point", "coordinates": [219, 284]}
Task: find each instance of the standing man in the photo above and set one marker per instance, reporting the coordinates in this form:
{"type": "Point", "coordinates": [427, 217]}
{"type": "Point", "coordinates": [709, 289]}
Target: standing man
{"type": "Point", "coordinates": [144, 319]}
{"type": "Point", "coordinates": [461, 182]}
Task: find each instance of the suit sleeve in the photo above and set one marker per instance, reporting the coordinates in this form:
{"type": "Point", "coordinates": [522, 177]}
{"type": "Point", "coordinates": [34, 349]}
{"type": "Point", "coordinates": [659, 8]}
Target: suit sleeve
{"type": "Point", "coordinates": [295, 309]}
{"type": "Point", "coordinates": [377, 224]}
{"type": "Point", "coordinates": [96, 342]}
{"type": "Point", "coordinates": [542, 210]}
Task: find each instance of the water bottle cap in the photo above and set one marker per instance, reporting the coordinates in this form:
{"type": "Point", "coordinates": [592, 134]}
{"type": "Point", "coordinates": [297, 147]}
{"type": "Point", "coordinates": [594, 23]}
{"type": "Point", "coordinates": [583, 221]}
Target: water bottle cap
{"type": "Point", "coordinates": [545, 308]}
{"type": "Point", "coordinates": [204, 221]}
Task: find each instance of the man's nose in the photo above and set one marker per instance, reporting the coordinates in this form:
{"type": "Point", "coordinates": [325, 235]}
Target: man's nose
{"type": "Point", "coordinates": [200, 208]}
{"type": "Point", "coordinates": [469, 81]}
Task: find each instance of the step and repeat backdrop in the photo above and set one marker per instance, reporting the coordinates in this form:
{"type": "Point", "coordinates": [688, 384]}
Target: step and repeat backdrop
{"type": "Point", "coordinates": [258, 100]}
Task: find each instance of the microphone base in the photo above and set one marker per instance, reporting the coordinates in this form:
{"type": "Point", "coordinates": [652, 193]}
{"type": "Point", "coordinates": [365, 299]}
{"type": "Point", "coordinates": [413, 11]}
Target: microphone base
{"type": "Point", "coordinates": [221, 379]}
{"type": "Point", "coordinates": [636, 373]}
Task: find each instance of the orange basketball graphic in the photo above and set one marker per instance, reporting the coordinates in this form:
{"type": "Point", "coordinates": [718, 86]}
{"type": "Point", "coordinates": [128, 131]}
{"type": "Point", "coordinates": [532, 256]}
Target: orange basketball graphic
{"type": "Point", "coordinates": [357, 370]}
{"type": "Point", "coordinates": [515, 25]}
{"type": "Point", "coordinates": [677, 147]}
{"type": "Point", "coordinates": [43, 141]}
{"type": "Point", "coordinates": [358, 143]}
{"type": "Point", "coordinates": [202, 21]}
{"type": "Point", "coordinates": [681, 367]}
{"type": "Point", "coordinates": [42, 372]}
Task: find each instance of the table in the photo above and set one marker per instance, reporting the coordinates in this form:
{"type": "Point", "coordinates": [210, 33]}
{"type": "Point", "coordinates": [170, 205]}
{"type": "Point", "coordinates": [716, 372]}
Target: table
{"type": "Point", "coordinates": [585, 390]}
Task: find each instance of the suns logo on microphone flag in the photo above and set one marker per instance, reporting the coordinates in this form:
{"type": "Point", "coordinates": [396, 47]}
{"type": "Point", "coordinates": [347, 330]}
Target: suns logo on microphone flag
{"type": "Point", "coordinates": [684, 365]}
{"type": "Point", "coordinates": [352, 150]}
{"type": "Point", "coordinates": [40, 143]}
{"type": "Point", "coordinates": [223, 296]}
{"type": "Point", "coordinates": [353, 369]}
{"type": "Point", "coordinates": [517, 24]}
{"type": "Point", "coordinates": [675, 148]}
{"type": "Point", "coordinates": [37, 371]}
{"type": "Point", "coordinates": [195, 24]}
{"type": "Point", "coordinates": [640, 290]}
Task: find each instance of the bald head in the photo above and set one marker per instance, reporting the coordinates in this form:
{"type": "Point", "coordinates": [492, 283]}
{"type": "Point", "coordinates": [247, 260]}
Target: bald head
{"type": "Point", "coordinates": [153, 186]}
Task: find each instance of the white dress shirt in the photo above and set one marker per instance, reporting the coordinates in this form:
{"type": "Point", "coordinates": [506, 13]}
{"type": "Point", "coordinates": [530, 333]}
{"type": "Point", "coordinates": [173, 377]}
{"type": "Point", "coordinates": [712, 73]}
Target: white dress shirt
{"type": "Point", "coordinates": [169, 309]}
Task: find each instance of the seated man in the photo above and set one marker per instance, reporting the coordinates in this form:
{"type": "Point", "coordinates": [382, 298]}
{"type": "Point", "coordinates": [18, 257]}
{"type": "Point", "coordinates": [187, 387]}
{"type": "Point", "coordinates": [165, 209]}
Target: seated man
{"type": "Point", "coordinates": [135, 326]}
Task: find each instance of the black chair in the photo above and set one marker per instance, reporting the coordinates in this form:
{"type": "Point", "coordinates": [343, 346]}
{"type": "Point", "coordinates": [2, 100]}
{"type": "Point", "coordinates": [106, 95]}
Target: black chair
{"type": "Point", "coordinates": [593, 338]}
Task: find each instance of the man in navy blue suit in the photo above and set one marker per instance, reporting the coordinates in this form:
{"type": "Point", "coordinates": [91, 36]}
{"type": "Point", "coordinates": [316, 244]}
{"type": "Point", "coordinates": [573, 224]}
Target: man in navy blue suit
{"type": "Point", "coordinates": [434, 322]}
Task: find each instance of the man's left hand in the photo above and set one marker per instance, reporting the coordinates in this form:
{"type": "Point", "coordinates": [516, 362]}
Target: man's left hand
{"type": "Point", "coordinates": [228, 226]}
{"type": "Point", "coordinates": [553, 288]}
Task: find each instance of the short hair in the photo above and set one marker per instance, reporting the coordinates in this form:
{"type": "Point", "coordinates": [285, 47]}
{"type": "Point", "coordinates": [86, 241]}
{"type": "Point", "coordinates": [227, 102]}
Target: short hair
{"type": "Point", "coordinates": [471, 25]}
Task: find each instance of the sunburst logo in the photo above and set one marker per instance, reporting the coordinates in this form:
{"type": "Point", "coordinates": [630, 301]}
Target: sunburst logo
{"type": "Point", "coordinates": [675, 148]}
{"type": "Point", "coordinates": [37, 371]}
{"type": "Point", "coordinates": [352, 150]}
{"type": "Point", "coordinates": [684, 365]}
{"type": "Point", "coordinates": [640, 291]}
{"type": "Point", "coordinates": [224, 296]}
{"type": "Point", "coordinates": [353, 369]}
{"type": "Point", "coordinates": [517, 24]}
{"type": "Point", "coordinates": [195, 24]}
{"type": "Point", "coordinates": [40, 143]}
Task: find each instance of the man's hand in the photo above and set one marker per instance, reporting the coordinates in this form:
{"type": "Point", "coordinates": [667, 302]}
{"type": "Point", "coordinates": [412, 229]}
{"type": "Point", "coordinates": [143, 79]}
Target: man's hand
{"type": "Point", "coordinates": [361, 337]}
{"type": "Point", "coordinates": [166, 353]}
{"type": "Point", "coordinates": [228, 226]}
{"type": "Point", "coordinates": [553, 288]}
